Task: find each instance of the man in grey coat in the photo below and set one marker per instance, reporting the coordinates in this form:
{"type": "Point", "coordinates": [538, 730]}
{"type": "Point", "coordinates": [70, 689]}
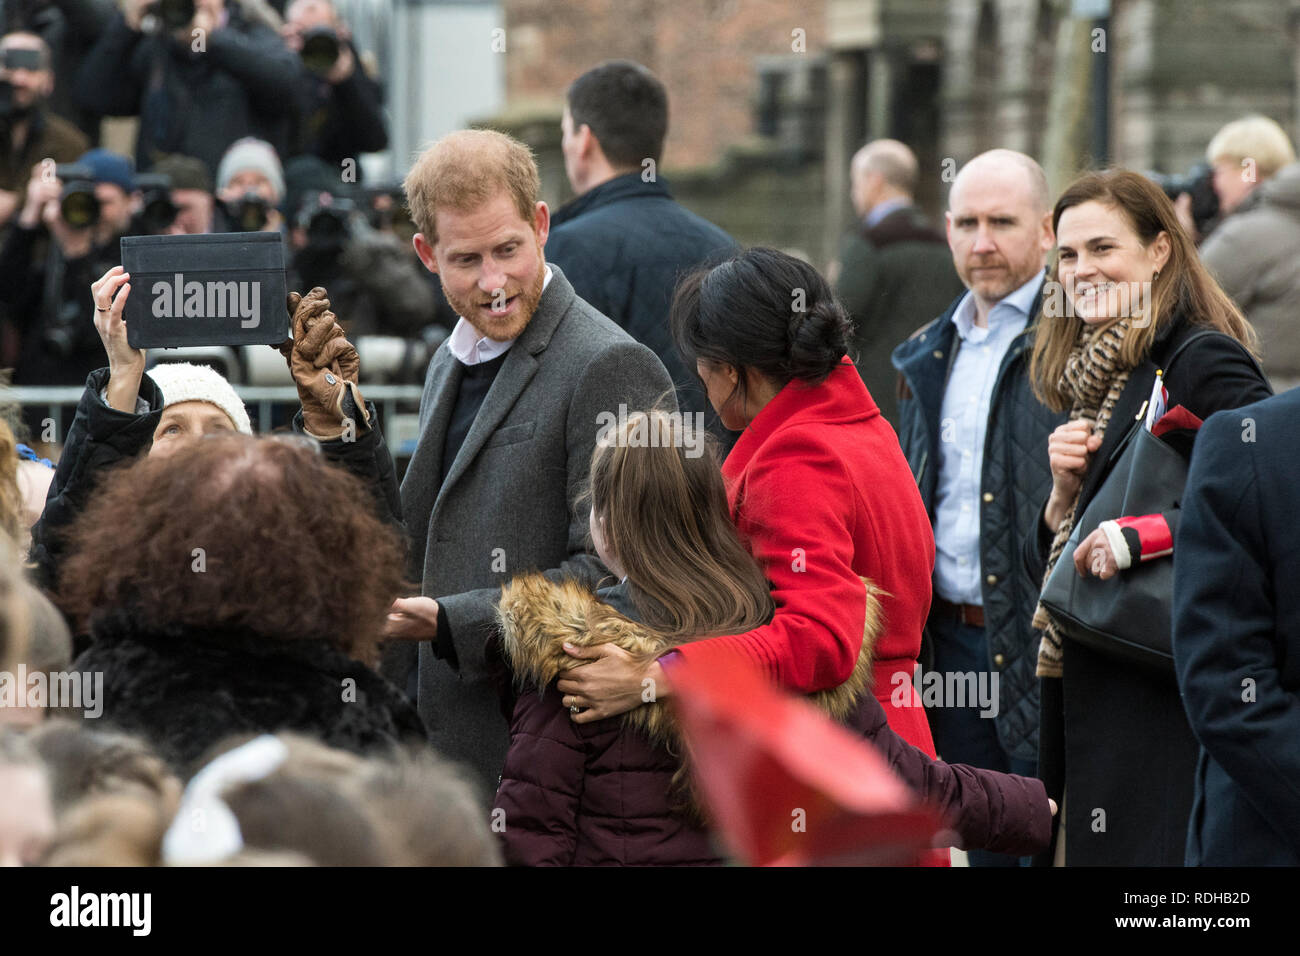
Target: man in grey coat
{"type": "Point", "coordinates": [510, 415]}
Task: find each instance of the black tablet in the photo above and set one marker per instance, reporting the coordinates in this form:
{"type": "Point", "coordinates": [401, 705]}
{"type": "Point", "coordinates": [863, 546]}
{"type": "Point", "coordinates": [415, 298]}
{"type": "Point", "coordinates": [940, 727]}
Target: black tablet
{"type": "Point", "coordinates": [220, 289]}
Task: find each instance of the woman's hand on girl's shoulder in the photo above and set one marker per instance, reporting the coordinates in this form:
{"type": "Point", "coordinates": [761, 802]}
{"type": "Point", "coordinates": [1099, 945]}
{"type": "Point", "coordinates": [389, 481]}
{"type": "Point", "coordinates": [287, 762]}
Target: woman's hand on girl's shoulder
{"type": "Point", "coordinates": [610, 682]}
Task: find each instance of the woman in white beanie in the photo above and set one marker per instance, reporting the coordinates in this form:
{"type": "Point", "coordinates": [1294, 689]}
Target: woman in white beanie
{"type": "Point", "coordinates": [126, 412]}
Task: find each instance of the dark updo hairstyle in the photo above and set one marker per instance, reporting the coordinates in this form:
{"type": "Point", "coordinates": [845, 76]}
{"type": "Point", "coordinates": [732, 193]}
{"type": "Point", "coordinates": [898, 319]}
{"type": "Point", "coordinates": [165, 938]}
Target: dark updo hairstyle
{"type": "Point", "coordinates": [764, 310]}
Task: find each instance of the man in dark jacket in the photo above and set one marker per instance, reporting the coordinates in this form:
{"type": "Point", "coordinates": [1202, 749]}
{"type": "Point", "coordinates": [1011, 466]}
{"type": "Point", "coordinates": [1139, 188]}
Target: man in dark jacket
{"type": "Point", "coordinates": [67, 29]}
{"type": "Point", "coordinates": [1236, 635]}
{"type": "Point", "coordinates": [196, 88]}
{"type": "Point", "coordinates": [624, 242]}
{"type": "Point", "coordinates": [29, 132]}
{"type": "Point", "coordinates": [976, 438]}
{"type": "Point", "coordinates": [894, 271]}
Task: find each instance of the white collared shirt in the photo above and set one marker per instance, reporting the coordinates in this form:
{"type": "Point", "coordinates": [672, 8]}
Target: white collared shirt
{"type": "Point", "coordinates": [471, 348]}
{"type": "Point", "coordinates": [963, 424]}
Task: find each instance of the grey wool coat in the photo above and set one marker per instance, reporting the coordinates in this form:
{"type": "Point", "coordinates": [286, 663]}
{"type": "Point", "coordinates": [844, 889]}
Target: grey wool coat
{"type": "Point", "coordinates": [508, 504]}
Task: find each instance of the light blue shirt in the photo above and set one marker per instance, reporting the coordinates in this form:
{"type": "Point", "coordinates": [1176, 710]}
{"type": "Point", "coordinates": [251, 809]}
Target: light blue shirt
{"type": "Point", "coordinates": [963, 423]}
{"type": "Point", "coordinates": [882, 209]}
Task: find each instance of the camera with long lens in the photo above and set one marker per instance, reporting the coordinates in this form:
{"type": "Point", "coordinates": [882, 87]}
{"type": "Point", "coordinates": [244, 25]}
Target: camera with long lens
{"type": "Point", "coordinates": [171, 15]}
{"type": "Point", "coordinates": [157, 211]}
{"type": "Point", "coordinates": [328, 225]}
{"type": "Point", "coordinates": [320, 49]}
{"type": "Point", "coordinates": [1197, 182]}
{"type": "Point", "coordinates": [248, 213]}
{"type": "Point", "coordinates": [78, 204]}
{"type": "Point", "coordinates": [387, 212]}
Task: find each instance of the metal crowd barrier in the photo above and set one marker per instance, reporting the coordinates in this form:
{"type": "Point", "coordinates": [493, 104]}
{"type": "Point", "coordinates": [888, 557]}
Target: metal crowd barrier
{"type": "Point", "coordinates": [400, 426]}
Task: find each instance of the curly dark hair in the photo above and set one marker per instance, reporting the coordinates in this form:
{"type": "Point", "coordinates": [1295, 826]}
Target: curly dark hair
{"type": "Point", "coordinates": [240, 533]}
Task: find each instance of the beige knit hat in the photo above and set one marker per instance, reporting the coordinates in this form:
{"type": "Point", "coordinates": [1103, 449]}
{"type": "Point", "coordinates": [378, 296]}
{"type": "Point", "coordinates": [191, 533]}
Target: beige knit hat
{"type": "Point", "coordinates": [186, 382]}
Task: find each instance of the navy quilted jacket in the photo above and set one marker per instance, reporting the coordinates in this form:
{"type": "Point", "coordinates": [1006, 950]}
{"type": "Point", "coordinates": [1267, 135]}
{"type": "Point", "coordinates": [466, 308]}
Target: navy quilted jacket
{"type": "Point", "coordinates": [1015, 481]}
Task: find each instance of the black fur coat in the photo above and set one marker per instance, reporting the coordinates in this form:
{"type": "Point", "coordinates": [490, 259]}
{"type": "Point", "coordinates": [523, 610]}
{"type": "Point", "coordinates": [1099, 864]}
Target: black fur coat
{"type": "Point", "coordinates": [187, 690]}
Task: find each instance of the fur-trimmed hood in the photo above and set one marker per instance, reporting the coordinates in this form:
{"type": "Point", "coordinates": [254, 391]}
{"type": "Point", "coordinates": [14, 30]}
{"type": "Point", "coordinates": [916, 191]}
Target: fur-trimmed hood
{"type": "Point", "coordinates": [537, 616]}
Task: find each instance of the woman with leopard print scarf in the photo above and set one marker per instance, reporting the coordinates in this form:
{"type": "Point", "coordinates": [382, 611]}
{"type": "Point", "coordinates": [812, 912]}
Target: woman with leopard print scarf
{"type": "Point", "coordinates": [1126, 291]}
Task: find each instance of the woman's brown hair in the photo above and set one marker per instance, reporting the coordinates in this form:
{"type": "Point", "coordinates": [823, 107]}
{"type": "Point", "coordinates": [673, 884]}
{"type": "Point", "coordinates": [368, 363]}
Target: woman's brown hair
{"type": "Point", "coordinates": [1183, 287]}
{"type": "Point", "coordinates": [667, 522]}
{"type": "Point", "coordinates": [239, 533]}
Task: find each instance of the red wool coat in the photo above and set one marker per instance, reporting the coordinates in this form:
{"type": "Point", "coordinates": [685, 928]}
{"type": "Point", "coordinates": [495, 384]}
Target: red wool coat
{"type": "Point", "coordinates": [822, 494]}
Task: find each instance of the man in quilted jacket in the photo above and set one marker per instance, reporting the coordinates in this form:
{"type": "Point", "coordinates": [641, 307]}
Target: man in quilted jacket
{"type": "Point", "coordinates": [975, 437]}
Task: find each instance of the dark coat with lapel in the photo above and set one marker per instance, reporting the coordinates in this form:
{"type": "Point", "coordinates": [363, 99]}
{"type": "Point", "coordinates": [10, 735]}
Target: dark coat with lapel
{"type": "Point", "coordinates": [1014, 482]}
{"type": "Point", "coordinates": [1236, 623]}
{"type": "Point", "coordinates": [894, 277]}
{"type": "Point", "coordinates": [1114, 737]}
{"type": "Point", "coordinates": [507, 504]}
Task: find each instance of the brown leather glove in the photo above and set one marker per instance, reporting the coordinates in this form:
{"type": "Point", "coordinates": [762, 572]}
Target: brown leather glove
{"type": "Point", "coordinates": [325, 367]}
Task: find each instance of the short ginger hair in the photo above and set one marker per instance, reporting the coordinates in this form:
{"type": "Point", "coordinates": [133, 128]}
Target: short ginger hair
{"type": "Point", "coordinates": [466, 169]}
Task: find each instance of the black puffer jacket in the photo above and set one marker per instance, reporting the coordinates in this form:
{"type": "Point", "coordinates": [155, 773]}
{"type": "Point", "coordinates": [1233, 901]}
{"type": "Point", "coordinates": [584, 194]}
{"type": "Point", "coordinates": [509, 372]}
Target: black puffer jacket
{"type": "Point", "coordinates": [187, 690]}
{"type": "Point", "coordinates": [1014, 482]}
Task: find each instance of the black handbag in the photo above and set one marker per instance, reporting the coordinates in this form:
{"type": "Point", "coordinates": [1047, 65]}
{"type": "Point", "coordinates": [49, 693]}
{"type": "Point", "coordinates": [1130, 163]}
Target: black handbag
{"type": "Point", "coordinates": [1127, 616]}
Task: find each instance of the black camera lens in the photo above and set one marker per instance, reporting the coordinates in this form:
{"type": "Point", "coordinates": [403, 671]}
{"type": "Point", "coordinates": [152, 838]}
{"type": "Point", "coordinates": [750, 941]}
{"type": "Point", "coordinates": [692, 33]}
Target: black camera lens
{"type": "Point", "coordinates": [248, 213]}
{"type": "Point", "coordinates": [78, 204]}
{"type": "Point", "coordinates": [320, 49]}
{"type": "Point", "coordinates": [175, 14]}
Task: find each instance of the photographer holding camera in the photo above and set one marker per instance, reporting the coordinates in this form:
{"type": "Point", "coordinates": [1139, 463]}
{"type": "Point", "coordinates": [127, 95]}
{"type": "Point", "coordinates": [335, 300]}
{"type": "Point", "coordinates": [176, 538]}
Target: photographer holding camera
{"type": "Point", "coordinates": [376, 284]}
{"type": "Point", "coordinates": [190, 193]}
{"type": "Point", "coordinates": [200, 74]}
{"type": "Point", "coordinates": [29, 132]}
{"type": "Point", "coordinates": [250, 188]}
{"type": "Point", "coordinates": [340, 112]}
{"type": "Point", "coordinates": [66, 235]}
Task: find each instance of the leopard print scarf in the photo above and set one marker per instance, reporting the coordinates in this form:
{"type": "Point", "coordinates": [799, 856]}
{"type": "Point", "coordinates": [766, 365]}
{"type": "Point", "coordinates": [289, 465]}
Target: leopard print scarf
{"type": "Point", "coordinates": [1094, 377]}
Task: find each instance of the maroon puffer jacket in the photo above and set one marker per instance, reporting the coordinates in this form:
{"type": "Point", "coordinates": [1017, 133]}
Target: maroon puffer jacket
{"type": "Point", "coordinates": [598, 794]}
{"type": "Point", "coordinates": [590, 794]}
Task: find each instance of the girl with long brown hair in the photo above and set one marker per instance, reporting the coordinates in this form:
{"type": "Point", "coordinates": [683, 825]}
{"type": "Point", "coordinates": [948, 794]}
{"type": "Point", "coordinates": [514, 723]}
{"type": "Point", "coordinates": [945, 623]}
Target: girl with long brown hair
{"type": "Point", "coordinates": [1127, 292]}
{"type": "Point", "coordinates": [613, 791]}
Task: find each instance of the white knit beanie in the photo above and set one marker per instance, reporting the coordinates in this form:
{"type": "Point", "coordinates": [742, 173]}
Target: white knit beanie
{"type": "Point", "coordinates": [185, 382]}
{"type": "Point", "coordinates": [255, 154]}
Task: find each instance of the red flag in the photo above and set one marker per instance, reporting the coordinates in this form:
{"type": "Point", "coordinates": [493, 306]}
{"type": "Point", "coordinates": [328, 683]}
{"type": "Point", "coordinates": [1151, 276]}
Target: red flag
{"type": "Point", "coordinates": [1174, 419]}
{"type": "Point", "coordinates": [786, 785]}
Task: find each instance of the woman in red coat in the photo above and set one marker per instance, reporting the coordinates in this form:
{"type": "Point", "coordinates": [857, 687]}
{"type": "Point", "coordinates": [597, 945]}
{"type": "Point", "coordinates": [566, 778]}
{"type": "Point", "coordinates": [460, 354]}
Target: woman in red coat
{"type": "Point", "coordinates": [818, 488]}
